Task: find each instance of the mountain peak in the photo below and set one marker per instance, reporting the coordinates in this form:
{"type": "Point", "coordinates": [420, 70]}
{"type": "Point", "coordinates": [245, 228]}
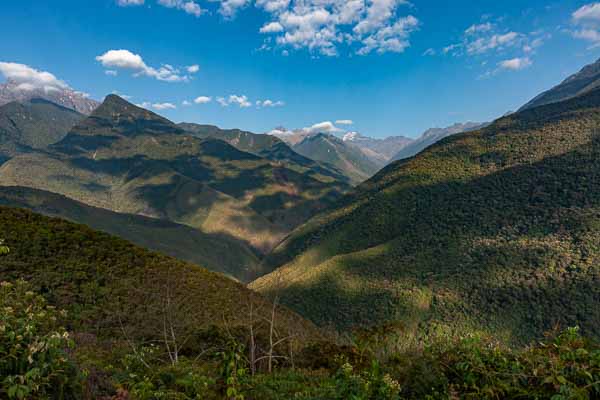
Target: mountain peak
{"type": "Point", "coordinates": [118, 117]}
{"type": "Point", "coordinates": [12, 91]}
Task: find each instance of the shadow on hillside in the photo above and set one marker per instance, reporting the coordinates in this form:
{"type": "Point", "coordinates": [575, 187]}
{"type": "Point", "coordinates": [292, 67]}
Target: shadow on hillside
{"type": "Point", "coordinates": [437, 231]}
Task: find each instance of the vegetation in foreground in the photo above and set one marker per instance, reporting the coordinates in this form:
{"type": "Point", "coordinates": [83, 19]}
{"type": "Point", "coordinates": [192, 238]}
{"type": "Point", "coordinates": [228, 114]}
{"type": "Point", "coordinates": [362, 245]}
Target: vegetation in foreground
{"type": "Point", "coordinates": [49, 353]}
{"type": "Point", "coordinates": [39, 360]}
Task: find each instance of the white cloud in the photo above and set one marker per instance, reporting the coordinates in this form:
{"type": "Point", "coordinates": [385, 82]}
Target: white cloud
{"type": "Point", "coordinates": [163, 106]}
{"type": "Point", "coordinates": [324, 26]}
{"type": "Point", "coordinates": [589, 12]}
{"type": "Point", "coordinates": [587, 21]}
{"type": "Point", "coordinates": [241, 101]}
{"type": "Point", "coordinates": [229, 8]}
{"type": "Point", "coordinates": [323, 127]}
{"type": "Point", "coordinates": [190, 7]}
{"type": "Point", "coordinates": [28, 78]}
{"type": "Point", "coordinates": [269, 103]}
{"type": "Point", "coordinates": [186, 103]}
{"type": "Point", "coordinates": [223, 101]}
{"type": "Point", "coordinates": [125, 3]}
{"type": "Point", "coordinates": [125, 59]}
{"type": "Point", "coordinates": [192, 69]}
{"type": "Point", "coordinates": [111, 72]}
{"type": "Point", "coordinates": [515, 64]}
{"type": "Point", "coordinates": [497, 41]}
{"type": "Point", "coordinates": [273, 6]}
{"type": "Point", "coordinates": [344, 122]}
{"type": "Point", "coordinates": [479, 28]}
{"type": "Point", "coordinates": [202, 100]}
{"type": "Point", "coordinates": [272, 27]}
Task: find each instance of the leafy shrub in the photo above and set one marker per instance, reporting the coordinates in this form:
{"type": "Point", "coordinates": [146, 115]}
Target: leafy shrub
{"type": "Point", "coordinates": [145, 376]}
{"type": "Point", "coordinates": [564, 367]}
{"type": "Point", "coordinates": [33, 361]}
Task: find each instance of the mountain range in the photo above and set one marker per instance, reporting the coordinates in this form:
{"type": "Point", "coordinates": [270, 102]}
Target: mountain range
{"type": "Point", "coordinates": [129, 160]}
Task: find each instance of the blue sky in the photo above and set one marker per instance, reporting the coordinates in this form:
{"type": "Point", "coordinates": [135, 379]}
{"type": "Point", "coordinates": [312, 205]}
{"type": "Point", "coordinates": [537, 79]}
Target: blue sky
{"type": "Point", "coordinates": [390, 66]}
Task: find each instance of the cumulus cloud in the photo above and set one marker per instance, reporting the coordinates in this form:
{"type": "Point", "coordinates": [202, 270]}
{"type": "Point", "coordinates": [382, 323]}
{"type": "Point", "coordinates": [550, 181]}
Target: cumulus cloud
{"type": "Point", "coordinates": [229, 8]}
{"type": "Point", "coordinates": [323, 127]}
{"type": "Point", "coordinates": [125, 59]}
{"type": "Point", "coordinates": [28, 78]}
{"type": "Point", "coordinates": [344, 122]}
{"type": "Point", "coordinates": [241, 101]}
{"type": "Point", "coordinates": [186, 103]}
{"type": "Point", "coordinates": [192, 69]}
{"type": "Point", "coordinates": [272, 27]}
{"type": "Point", "coordinates": [515, 64]}
{"type": "Point", "coordinates": [190, 7]}
{"type": "Point", "coordinates": [323, 26]}
{"type": "Point", "coordinates": [202, 99]}
{"type": "Point", "coordinates": [587, 24]}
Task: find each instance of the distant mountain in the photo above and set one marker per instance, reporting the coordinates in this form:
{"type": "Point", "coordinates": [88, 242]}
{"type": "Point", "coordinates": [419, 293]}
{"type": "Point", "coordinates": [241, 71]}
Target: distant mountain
{"type": "Point", "coordinates": [266, 146]}
{"type": "Point", "coordinates": [11, 91]}
{"type": "Point", "coordinates": [334, 151]}
{"type": "Point", "coordinates": [380, 151]}
{"type": "Point", "coordinates": [494, 231]}
{"type": "Point", "coordinates": [432, 136]}
{"type": "Point", "coordinates": [580, 83]}
{"type": "Point", "coordinates": [216, 252]}
{"type": "Point", "coordinates": [34, 124]}
{"type": "Point", "coordinates": [129, 160]}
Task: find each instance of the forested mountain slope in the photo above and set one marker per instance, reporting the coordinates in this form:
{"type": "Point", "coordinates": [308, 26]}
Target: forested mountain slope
{"type": "Point", "coordinates": [216, 252]}
{"type": "Point", "coordinates": [114, 291]}
{"type": "Point", "coordinates": [495, 230]}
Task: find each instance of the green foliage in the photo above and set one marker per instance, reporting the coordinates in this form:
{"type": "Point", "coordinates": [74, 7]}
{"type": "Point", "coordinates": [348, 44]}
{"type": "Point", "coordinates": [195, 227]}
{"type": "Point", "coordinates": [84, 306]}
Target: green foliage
{"type": "Point", "coordinates": [233, 370]}
{"type": "Point", "coordinates": [144, 376]}
{"type": "Point", "coordinates": [4, 250]}
{"type": "Point", "coordinates": [565, 367]}
{"type": "Point", "coordinates": [33, 359]}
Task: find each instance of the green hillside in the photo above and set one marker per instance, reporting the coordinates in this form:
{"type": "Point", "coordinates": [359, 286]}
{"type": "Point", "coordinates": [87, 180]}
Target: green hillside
{"type": "Point", "coordinates": [129, 160]}
{"type": "Point", "coordinates": [494, 230]}
{"type": "Point", "coordinates": [34, 124]}
{"type": "Point", "coordinates": [331, 150]}
{"type": "Point", "coordinates": [216, 252]}
{"type": "Point", "coordinates": [110, 287]}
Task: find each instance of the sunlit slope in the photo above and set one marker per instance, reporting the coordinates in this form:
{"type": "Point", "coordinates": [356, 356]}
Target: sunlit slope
{"type": "Point", "coordinates": [496, 230]}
